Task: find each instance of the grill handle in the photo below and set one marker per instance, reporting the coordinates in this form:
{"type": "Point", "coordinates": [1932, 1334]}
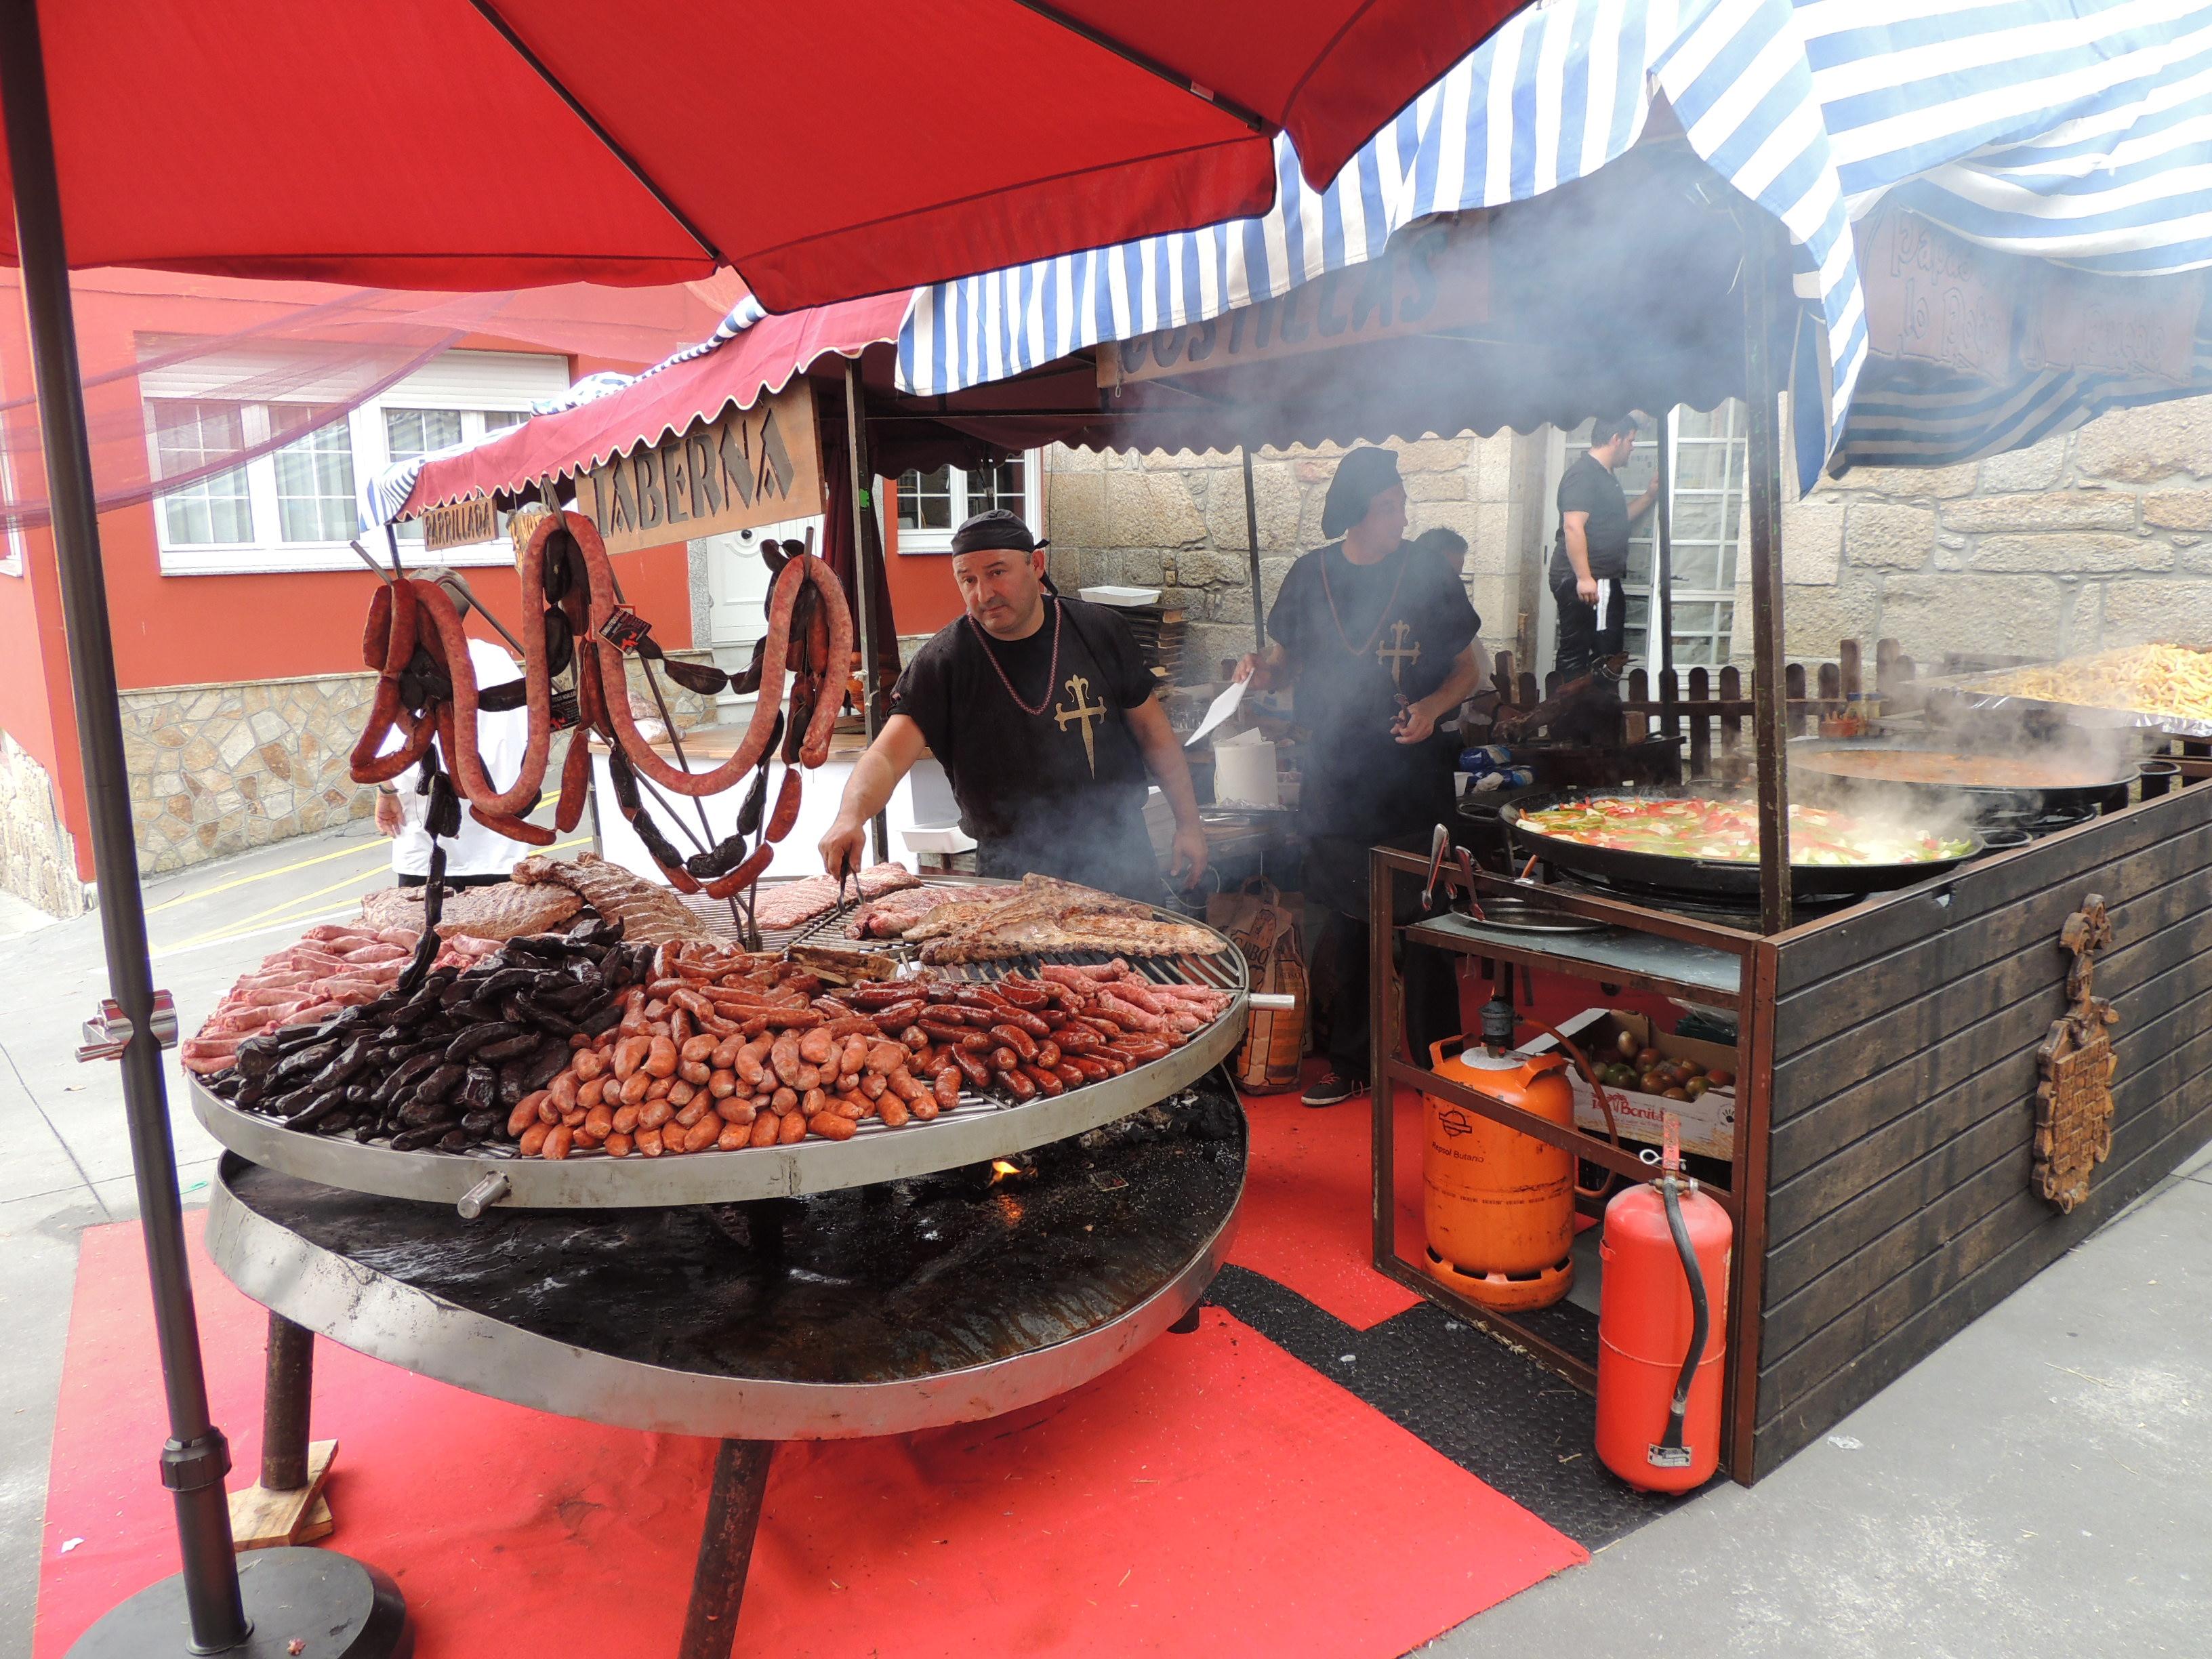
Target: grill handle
{"type": "Point", "coordinates": [1271, 1002]}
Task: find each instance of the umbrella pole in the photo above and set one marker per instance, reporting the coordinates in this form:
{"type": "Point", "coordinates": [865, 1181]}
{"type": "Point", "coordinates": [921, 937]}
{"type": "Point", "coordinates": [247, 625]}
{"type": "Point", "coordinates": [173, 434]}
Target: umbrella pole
{"type": "Point", "coordinates": [1252, 551]}
{"type": "Point", "coordinates": [864, 587]}
{"type": "Point", "coordinates": [203, 1607]}
{"type": "Point", "coordinates": [1770, 693]}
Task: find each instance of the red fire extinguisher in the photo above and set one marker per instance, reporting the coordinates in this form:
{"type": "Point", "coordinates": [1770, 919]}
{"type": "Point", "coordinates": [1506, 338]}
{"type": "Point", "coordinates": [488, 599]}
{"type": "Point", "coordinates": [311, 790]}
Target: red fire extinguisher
{"type": "Point", "coordinates": [1663, 1321]}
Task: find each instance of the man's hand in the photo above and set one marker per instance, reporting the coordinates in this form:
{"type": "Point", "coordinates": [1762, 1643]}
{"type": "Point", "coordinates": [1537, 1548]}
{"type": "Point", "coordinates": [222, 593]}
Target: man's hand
{"type": "Point", "coordinates": [1254, 667]}
{"type": "Point", "coordinates": [1187, 860]}
{"type": "Point", "coordinates": [387, 813]}
{"type": "Point", "coordinates": [840, 847]}
{"type": "Point", "coordinates": [1586, 589]}
{"type": "Point", "coordinates": [1416, 722]}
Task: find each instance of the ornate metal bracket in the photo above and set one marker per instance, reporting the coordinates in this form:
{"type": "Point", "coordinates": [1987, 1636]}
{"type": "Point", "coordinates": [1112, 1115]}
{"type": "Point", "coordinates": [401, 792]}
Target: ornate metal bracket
{"type": "Point", "coordinates": [2074, 1102]}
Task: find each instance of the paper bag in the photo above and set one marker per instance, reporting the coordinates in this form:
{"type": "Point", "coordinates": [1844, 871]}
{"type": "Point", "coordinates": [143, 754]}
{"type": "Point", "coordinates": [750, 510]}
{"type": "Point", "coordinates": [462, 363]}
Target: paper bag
{"type": "Point", "coordinates": [1264, 924]}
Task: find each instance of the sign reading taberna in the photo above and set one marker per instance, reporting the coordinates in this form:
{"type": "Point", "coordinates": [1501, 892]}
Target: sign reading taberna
{"type": "Point", "coordinates": [746, 467]}
{"type": "Point", "coordinates": [1430, 279]}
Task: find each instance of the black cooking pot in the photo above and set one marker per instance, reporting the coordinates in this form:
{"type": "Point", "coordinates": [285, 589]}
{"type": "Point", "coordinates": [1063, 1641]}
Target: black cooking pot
{"type": "Point", "coordinates": [1707, 879]}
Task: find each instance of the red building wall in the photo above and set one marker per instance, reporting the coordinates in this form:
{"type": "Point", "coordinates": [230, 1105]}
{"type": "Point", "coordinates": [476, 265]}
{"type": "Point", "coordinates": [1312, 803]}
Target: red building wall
{"type": "Point", "coordinates": [185, 629]}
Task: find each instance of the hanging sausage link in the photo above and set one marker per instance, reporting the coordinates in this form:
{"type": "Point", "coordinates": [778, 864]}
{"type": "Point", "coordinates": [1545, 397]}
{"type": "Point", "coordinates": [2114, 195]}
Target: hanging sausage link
{"type": "Point", "coordinates": [427, 687]}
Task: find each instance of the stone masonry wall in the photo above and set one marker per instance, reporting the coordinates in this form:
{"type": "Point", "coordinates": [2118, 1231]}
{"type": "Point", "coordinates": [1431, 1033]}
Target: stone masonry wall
{"type": "Point", "coordinates": [216, 770]}
{"type": "Point", "coordinates": [2089, 540]}
{"type": "Point", "coordinates": [220, 769]}
{"type": "Point", "coordinates": [37, 856]}
{"type": "Point", "coordinates": [1177, 522]}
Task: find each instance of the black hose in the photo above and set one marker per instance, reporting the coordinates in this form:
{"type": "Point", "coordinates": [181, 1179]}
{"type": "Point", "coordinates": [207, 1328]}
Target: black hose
{"type": "Point", "coordinates": [1701, 1316]}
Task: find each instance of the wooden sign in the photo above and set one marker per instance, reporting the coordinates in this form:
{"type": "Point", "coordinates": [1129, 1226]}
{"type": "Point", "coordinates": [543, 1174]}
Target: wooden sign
{"type": "Point", "coordinates": [1432, 278]}
{"type": "Point", "coordinates": [463, 524]}
{"type": "Point", "coordinates": [2143, 327]}
{"type": "Point", "coordinates": [750, 466]}
{"type": "Point", "coordinates": [1934, 298]}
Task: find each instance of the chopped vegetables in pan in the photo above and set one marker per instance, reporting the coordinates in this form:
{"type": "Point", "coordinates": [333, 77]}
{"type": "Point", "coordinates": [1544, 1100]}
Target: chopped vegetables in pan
{"type": "Point", "coordinates": [1728, 830]}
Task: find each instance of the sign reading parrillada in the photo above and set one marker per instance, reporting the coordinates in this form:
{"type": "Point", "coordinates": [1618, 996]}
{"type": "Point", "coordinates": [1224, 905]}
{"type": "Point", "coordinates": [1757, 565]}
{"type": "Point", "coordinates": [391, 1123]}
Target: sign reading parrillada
{"type": "Point", "coordinates": [1431, 278]}
{"type": "Point", "coordinates": [747, 467]}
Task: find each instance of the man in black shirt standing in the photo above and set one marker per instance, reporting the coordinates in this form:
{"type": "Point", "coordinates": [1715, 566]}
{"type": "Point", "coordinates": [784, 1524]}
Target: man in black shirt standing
{"type": "Point", "coordinates": [1378, 637]}
{"type": "Point", "coordinates": [1042, 711]}
{"type": "Point", "coordinates": [1589, 555]}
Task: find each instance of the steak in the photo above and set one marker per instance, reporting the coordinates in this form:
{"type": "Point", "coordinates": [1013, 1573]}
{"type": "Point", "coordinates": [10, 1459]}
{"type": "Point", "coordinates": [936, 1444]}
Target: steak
{"type": "Point", "coordinates": [788, 904]}
{"type": "Point", "coordinates": [506, 911]}
{"type": "Point", "coordinates": [648, 912]}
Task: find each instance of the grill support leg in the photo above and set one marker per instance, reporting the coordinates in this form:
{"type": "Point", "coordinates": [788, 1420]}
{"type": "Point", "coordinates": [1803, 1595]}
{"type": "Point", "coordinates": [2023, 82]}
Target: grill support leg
{"type": "Point", "coordinates": [1186, 1324]}
{"type": "Point", "coordinates": [288, 1393]}
{"type": "Point", "coordinates": [725, 1548]}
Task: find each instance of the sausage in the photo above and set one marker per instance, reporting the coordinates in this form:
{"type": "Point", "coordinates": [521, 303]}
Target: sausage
{"type": "Point", "coordinates": [853, 1055]}
{"type": "Point", "coordinates": [767, 1128]}
{"type": "Point", "coordinates": [698, 1048]}
{"type": "Point", "coordinates": [781, 821]}
{"type": "Point", "coordinates": [1015, 1084]}
{"type": "Point", "coordinates": [816, 1047]}
{"type": "Point", "coordinates": [783, 1055]}
{"type": "Point", "coordinates": [1005, 1060]}
{"type": "Point", "coordinates": [893, 1112]}
{"type": "Point", "coordinates": [533, 1139]}
{"type": "Point", "coordinates": [649, 1143]}
{"type": "Point", "coordinates": [828, 1125]}
{"type": "Point", "coordinates": [946, 1088]}
{"type": "Point", "coordinates": [791, 1130]}
{"type": "Point", "coordinates": [557, 1142]}
{"type": "Point", "coordinates": [1069, 1075]}
{"type": "Point", "coordinates": [972, 1068]}
{"type": "Point", "coordinates": [661, 1058]}
{"type": "Point", "coordinates": [1047, 1082]}
{"type": "Point", "coordinates": [630, 1054]}
{"type": "Point", "coordinates": [1017, 1039]}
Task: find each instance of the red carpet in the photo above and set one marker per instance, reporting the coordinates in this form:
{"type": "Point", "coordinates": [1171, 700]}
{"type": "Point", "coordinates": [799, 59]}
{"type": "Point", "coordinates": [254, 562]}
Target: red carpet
{"type": "Point", "coordinates": [1212, 1496]}
{"type": "Point", "coordinates": [1308, 1221]}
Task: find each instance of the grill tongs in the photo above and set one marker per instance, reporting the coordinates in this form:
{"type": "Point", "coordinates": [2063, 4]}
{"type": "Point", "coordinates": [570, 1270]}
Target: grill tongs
{"type": "Point", "coordinates": [1463, 900]}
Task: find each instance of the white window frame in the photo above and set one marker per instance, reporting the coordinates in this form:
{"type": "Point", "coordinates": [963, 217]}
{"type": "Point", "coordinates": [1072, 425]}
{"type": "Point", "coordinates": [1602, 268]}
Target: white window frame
{"type": "Point", "coordinates": [11, 561]}
{"type": "Point", "coordinates": [470, 382]}
{"type": "Point", "coordinates": [940, 541]}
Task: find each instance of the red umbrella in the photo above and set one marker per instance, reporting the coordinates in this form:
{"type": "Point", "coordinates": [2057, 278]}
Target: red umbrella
{"type": "Point", "coordinates": [826, 150]}
{"type": "Point", "coordinates": [829, 150]}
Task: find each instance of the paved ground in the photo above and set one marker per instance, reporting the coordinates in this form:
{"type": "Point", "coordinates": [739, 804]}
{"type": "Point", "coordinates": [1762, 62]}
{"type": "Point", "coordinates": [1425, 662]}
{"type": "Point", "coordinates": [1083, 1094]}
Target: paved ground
{"type": "Point", "coordinates": [2043, 1485]}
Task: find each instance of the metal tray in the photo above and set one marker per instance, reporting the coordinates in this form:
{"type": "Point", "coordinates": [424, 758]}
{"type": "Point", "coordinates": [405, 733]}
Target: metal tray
{"type": "Point", "coordinates": [849, 1318]}
{"type": "Point", "coordinates": [978, 1130]}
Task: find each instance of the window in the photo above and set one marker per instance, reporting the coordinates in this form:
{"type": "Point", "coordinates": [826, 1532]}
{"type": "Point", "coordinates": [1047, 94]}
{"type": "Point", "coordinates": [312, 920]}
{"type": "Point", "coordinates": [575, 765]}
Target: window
{"type": "Point", "coordinates": [294, 507]}
{"type": "Point", "coordinates": [932, 505]}
{"type": "Point", "coordinates": [411, 432]}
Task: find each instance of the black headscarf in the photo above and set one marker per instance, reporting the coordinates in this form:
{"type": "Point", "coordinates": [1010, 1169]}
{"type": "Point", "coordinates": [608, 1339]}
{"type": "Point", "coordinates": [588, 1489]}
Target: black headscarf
{"type": "Point", "coordinates": [999, 527]}
{"type": "Point", "coordinates": [1360, 477]}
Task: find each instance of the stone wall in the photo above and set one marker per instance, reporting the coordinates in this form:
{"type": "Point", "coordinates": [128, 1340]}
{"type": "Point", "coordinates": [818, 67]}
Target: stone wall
{"type": "Point", "coordinates": [220, 769]}
{"type": "Point", "coordinates": [216, 770]}
{"type": "Point", "coordinates": [2091, 539]}
{"type": "Point", "coordinates": [37, 856]}
{"type": "Point", "coordinates": [1177, 522]}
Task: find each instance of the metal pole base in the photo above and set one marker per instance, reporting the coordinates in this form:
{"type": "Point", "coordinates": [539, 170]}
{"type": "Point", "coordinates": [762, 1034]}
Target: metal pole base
{"type": "Point", "coordinates": [334, 1606]}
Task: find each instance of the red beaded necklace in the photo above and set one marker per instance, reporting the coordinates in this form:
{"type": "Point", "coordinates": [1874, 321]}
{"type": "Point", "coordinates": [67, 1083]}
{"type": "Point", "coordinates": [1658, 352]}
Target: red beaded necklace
{"type": "Point", "coordinates": [1052, 671]}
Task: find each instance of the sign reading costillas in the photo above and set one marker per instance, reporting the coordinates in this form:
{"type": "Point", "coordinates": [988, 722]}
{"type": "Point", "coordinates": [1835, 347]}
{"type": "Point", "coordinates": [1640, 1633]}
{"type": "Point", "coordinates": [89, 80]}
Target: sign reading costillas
{"type": "Point", "coordinates": [2141, 327]}
{"type": "Point", "coordinates": [463, 524]}
{"type": "Point", "coordinates": [1434, 277]}
{"type": "Point", "coordinates": [1934, 298]}
{"type": "Point", "coordinates": [748, 467]}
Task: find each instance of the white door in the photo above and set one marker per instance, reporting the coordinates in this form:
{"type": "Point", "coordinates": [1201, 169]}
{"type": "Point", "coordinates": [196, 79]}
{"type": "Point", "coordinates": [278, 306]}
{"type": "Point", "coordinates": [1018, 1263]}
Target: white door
{"type": "Point", "coordinates": [737, 593]}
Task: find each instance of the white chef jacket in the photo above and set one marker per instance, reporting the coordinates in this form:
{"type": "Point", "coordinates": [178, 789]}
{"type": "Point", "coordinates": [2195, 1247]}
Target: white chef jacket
{"type": "Point", "coordinates": [502, 738]}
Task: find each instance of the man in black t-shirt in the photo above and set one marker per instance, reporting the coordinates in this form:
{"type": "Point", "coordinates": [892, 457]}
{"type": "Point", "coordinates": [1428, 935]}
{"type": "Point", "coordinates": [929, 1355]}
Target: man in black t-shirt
{"type": "Point", "coordinates": [1042, 711]}
{"type": "Point", "coordinates": [1590, 555]}
{"type": "Point", "coordinates": [1378, 637]}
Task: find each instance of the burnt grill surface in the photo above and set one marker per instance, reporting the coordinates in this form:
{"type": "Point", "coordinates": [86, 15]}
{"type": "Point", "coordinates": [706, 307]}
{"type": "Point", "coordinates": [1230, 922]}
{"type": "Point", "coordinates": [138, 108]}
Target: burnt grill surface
{"type": "Point", "coordinates": [900, 1281]}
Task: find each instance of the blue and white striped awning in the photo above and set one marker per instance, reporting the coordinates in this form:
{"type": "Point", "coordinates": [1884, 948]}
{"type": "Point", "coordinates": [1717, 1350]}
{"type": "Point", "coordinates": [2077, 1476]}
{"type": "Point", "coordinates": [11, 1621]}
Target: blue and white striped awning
{"type": "Point", "coordinates": [2079, 131]}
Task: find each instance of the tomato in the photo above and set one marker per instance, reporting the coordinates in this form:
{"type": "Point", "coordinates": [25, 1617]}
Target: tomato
{"type": "Point", "coordinates": [1652, 1084]}
{"type": "Point", "coordinates": [1696, 1087]}
{"type": "Point", "coordinates": [1649, 1060]}
{"type": "Point", "coordinates": [1720, 1079]}
{"type": "Point", "coordinates": [1676, 1094]}
{"type": "Point", "coordinates": [1628, 1045]}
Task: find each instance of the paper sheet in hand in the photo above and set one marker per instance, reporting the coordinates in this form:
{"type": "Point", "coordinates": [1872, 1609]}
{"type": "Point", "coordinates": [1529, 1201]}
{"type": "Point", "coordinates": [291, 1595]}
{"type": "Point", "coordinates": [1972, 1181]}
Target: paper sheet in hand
{"type": "Point", "coordinates": [1223, 707]}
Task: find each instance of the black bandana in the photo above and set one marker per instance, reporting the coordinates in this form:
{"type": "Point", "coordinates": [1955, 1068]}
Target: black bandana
{"type": "Point", "coordinates": [997, 528]}
{"type": "Point", "coordinates": [1360, 477]}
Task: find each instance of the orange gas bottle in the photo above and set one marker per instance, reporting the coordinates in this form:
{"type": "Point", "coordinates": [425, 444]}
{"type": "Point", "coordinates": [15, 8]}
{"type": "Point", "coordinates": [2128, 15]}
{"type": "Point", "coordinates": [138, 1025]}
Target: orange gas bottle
{"type": "Point", "coordinates": [1659, 1352]}
{"type": "Point", "coordinates": [1500, 1205]}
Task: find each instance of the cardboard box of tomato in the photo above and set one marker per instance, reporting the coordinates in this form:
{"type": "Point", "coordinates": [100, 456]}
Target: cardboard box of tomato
{"type": "Point", "coordinates": [1708, 1120]}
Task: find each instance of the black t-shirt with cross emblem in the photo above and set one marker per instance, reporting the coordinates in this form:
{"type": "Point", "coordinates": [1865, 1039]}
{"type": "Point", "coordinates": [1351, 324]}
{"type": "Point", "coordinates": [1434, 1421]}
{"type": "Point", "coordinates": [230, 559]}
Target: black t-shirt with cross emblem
{"type": "Point", "coordinates": [1060, 792]}
{"type": "Point", "coordinates": [1364, 640]}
